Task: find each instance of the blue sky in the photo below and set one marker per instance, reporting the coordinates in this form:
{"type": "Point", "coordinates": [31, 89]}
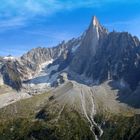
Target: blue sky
{"type": "Point", "coordinates": [26, 24]}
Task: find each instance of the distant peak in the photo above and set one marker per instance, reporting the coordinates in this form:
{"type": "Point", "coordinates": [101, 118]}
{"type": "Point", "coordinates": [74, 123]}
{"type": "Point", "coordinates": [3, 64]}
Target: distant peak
{"type": "Point", "coordinates": [95, 22]}
{"type": "Point", "coordinates": [96, 28]}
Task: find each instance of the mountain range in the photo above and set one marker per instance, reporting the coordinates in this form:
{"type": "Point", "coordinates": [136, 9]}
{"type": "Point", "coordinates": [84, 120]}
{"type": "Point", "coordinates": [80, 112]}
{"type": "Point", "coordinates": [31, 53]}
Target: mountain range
{"type": "Point", "coordinates": [84, 89]}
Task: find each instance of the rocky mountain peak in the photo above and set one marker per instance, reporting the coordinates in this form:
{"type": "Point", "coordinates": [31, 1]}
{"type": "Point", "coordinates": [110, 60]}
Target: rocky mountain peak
{"type": "Point", "coordinates": [96, 55]}
{"type": "Point", "coordinates": [96, 28]}
{"type": "Point", "coordinates": [95, 21]}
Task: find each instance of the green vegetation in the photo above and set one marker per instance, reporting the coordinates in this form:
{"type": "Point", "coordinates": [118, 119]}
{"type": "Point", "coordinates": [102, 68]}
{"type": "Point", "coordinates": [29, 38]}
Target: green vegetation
{"type": "Point", "coordinates": [125, 128]}
{"type": "Point", "coordinates": [25, 108]}
{"type": "Point", "coordinates": [69, 127]}
{"type": "Point", "coordinates": [119, 127]}
{"type": "Point", "coordinates": [36, 119]}
{"type": "Point", "coordinates": [42, 118]}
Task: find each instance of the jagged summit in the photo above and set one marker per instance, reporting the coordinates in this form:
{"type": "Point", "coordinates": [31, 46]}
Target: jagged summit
{"type": "Point", "coordinates": [95, 21]}
{"type": "Point", "coordinates": [96, 28]}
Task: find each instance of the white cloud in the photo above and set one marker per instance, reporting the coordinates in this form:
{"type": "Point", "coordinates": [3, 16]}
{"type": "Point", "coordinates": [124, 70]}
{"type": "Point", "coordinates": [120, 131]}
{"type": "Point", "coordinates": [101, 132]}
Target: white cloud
{"type": "Point", "coordinates": [30, 8]}
{"type": "Point", "coordinates": [35, 7]}
{"type": "Point", "coordinates": [17, 13]}
{"type": "Point", "coordinates": [13, 22]}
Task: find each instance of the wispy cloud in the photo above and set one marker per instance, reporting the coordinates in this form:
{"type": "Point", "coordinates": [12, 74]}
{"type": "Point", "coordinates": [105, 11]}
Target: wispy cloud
{"type": "Point", "coordinates": [13, 22]}
{"type": "Point", "coordinates": [19, 11]}
{"type": "Point", "coordinates": [16, 13]}
{"type": "Point", "coordinates": [35, 7]}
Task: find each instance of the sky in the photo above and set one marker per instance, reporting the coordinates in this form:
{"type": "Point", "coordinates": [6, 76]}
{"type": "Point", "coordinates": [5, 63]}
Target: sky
{"type": "Point", "coordinates": [26, 24]}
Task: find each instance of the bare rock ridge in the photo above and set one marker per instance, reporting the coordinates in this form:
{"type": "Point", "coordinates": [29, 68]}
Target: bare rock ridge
{"type": "Point", "coordinates": [97, 55]}
{"type": "Point", "coordinates": [89, 46]}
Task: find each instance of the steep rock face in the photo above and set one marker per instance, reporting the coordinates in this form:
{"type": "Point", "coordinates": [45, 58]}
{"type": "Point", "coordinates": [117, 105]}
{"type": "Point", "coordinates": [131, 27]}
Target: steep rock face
{"type": "Point", "coordinates": [117, 57]}
{"type": "Point", "coordinates": [105, 56]}
{"type": "Point", "coordinates": [67, 55]}
{"type": "Point", "coordinates": [10, 75]}
{"type": "Point", "coordinates": [41, 55]}
{"type": "Point", "coordinates": [88, 47]}
{"type": "Point", "coordinates": [122, 57]}
{"type": "Point", "coordinates": [29, 64]}
{"type": "Point", "coordinates": [35, 57]}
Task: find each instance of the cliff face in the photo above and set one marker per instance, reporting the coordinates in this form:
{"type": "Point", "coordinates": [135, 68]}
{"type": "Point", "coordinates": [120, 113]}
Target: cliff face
{"type": "Point", "coordinates": [117, 58]}
{"type": "Point", "coordinates": [88, 47]}
{"type": "Point", "coordinates": [11, 76]}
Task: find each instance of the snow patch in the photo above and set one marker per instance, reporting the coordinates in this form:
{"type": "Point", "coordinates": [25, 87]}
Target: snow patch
{"type": "Point", "coordinates": [97, 31]}
{"type": "Point", "coordinates": [1, 80]}
{"type": "Point", "coordinates": [9, 58]}
{"type": "Point", "coordinates": [75, 48]}
{"type": "Point", "coordinates": [44, 78]}
{"type": "Point", "coordinates": [45, 64]}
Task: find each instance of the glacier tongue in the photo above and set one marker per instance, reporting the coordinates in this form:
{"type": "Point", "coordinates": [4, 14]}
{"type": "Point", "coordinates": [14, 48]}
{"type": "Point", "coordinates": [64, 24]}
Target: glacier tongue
{"type": "Point", "coordinates": [75, 48]}
{"type": "Point", "coordinates": [43, 79]}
